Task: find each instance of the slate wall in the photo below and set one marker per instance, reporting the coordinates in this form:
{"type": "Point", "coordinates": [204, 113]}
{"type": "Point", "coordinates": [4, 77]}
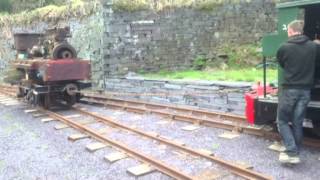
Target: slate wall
{"type": "Point", "coordinates": [173, 38]}
{"type": "Point", "coordinates": [213, 95]}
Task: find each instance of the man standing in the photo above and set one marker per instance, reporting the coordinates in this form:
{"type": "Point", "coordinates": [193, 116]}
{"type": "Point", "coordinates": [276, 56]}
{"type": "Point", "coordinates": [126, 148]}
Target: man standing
{"type": "Point", "coordinates": [297, 59]}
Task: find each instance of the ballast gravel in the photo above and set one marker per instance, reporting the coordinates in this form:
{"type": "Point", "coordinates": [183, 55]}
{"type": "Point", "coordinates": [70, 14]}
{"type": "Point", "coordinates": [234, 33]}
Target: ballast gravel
{"type": "Point", "coordinates": [30, 149]}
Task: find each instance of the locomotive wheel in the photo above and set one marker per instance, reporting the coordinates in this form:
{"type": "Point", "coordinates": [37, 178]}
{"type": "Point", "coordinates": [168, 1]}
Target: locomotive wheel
{"type": "Point", "coordinates": [70, 100]}
{"type": "Point", "coordinates": [46, 101]}
{"type": "Point", "coordinates": [32, 98]}
{"type": "Point", "coordinates": [20, 93]}
{"type": "Point", "coordinates": [64, 51]}
{"type": "Point", "coordinates": [71, 89]}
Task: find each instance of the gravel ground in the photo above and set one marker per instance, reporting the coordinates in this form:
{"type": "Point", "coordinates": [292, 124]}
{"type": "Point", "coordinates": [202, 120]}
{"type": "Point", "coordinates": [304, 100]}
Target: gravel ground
{"type": "Point", "coordinates": [33, 150]}
{"type": "Point", "coordinates": [247, 149]}
{"type": "Point", "coordinates": [173, 157]}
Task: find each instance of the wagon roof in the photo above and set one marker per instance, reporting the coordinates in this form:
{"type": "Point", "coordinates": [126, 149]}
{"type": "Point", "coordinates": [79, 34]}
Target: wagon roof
{"type": "Point", "coordinates": [297, 3]}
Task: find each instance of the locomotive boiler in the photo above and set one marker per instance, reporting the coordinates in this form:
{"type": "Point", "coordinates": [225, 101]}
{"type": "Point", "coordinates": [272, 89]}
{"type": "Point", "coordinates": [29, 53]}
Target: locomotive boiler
{"type": "Point", "coordinates": [49, 68]}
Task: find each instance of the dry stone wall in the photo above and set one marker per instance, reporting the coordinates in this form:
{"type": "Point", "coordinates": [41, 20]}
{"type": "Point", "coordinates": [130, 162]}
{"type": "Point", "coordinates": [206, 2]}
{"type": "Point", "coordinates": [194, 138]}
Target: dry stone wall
{"type": "Point", "coordinates": [173, 38]}
{"type": "Point", "coordinates": [216, 96]}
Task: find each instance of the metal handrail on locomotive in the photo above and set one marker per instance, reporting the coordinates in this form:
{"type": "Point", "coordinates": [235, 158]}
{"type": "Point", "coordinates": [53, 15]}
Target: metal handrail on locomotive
{"type": "Point", "coordinates": [261, 105]}
{"type": "Point", "coordinates": [49, 67]}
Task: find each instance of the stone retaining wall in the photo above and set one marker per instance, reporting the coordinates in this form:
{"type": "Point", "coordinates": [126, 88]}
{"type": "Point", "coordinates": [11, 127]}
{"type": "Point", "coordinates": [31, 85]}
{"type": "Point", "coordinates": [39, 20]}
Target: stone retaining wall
{"type": "Point", "coordinates": [218, 96]}
{"type": "Point", "coordinates": [173, 38]}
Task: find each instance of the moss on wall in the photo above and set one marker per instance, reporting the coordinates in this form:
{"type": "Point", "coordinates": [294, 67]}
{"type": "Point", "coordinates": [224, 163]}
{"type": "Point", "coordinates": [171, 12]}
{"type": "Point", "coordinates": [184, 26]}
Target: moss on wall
{"type": "Point", "coordinates": [158, 5]}
{"type": "Point", "coordinates": [77, 8]}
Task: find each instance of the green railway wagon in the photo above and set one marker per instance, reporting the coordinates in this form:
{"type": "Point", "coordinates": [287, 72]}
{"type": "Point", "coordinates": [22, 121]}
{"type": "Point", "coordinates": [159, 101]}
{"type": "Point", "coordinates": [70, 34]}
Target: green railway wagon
{"type": "Point", "coordinates": [265, 107]}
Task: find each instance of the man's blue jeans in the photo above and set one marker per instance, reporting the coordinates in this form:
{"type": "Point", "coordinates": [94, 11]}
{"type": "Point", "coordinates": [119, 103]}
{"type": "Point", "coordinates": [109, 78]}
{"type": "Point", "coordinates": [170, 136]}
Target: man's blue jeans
{"type": "Point", "coordinates": [292, 108]}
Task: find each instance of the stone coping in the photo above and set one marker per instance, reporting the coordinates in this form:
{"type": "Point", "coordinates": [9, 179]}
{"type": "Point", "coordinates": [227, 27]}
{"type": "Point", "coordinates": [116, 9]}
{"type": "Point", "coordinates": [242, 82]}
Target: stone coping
{"type": "Point", "coordinates": [195, 82]}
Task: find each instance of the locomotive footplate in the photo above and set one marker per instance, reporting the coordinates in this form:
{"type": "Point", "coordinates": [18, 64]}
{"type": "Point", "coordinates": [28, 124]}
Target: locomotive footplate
{"type": "Point", "coordinates": [44, 89]}
{"type": "Point", "coordinates": [266, 112]}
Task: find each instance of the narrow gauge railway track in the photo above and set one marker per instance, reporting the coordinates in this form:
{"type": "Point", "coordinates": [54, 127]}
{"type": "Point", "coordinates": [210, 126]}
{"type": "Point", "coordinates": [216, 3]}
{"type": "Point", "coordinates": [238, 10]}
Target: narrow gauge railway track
{"type": "Point", "coordinates": [186, 114]}
{"type": "Point", "coordinates": [235, 169]}
{"type": "Point", "coordinates": [192, 115]}
{"type": "Point", "coordinates": [159, 165]}
{"type": "Point", "coordinates": [8, 90]}
{"type": "Point", "coordinates": [130, 104]}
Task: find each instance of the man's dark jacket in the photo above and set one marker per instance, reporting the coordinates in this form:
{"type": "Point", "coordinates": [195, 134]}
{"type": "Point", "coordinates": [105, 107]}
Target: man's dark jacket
{"type": "Point", "coordinates": [297, 58]}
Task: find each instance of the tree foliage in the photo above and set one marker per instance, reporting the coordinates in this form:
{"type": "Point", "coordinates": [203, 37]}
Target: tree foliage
{"type": "Point", "coordinates": [5, 6]}
{"type": "Point", "coordinates": [21, 5]}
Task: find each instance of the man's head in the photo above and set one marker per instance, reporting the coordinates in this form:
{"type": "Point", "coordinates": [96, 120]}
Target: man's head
{"type": "Point", "coordinates": [295, 28]}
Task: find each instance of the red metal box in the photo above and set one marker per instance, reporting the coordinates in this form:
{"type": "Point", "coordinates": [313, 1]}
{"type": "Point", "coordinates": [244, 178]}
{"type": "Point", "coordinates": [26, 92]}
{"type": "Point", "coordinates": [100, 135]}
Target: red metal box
{"type": "Point", "coordinates": [58, 70]}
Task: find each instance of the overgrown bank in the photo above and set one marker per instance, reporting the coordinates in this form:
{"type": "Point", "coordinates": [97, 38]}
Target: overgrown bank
{"type": "Point", "coordinates": [244, 75]}
{"type": "Point", "coordinates": [54, 13]}
{"type": "Point", "coordinates": [158, 5]}
{"type": "Point", "coordinates": [229, 63]}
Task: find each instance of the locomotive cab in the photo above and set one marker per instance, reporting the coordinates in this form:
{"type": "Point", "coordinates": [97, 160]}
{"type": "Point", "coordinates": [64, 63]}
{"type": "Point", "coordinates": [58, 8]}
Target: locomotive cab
{"type": "Point", "coordinates": [312, 30]}
{"type": "Point", "coordinates": [265, 107]}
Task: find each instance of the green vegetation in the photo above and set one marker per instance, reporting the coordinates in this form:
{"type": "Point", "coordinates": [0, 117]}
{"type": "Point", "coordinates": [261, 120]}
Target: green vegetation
{"type": "Point", "coordinates": [131, 5]}
{"type": "Point", "coordinates": [137, 5]}
{"type": "Point", "coordinates": [200, 63]}
{"type": "Point", "coordinates": [14, 6]}
{"type": "Point", "coordinates": [11, 75]}
{"type": "Point", "coordinates": [246, 74]}
{"type": "Point", "coordinates": [230, 56]}
{"type": "Point", "coordinates": [5, 6]}
{"type": "Point", "coordinates": [209, 5]}
{"type": "Point", "coordinates": [77, 8]}
{"type": "Point", "coordinates": [232, 63]}
{"type": "Point", "coordinates": [241, 56]}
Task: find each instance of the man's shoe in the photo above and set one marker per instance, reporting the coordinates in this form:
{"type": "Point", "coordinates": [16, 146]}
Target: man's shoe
{"type": "Point", "coordinates": [277, 147]}
{"type": "Point", "coordinates": [285, 158]}
{"type": "Point", "coordinates": [294, 160]}
{"type": "Point", "coordinates": [281, 148]}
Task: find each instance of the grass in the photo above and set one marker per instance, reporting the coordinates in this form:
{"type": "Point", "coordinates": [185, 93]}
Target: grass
{"type": "Point", "coordinates": [138, 5]}
{"type": "Point", "coordinates": [11, 75]}
{"type": "Point", "coordinates": [78, 8]}
{"type": "Point", "coordinates": [245, 75]}
{"type": "Point", "coordinates": [240, 63]}
{"type": "Point", "coordinates": [241, 55]}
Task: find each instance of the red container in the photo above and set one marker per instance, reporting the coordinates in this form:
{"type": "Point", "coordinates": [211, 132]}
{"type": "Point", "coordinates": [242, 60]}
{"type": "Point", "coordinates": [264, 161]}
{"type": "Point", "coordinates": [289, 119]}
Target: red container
{"type": "Point", "coordinates": [67, 69]}
{"type": "Point", "coordinates": [252, 96]}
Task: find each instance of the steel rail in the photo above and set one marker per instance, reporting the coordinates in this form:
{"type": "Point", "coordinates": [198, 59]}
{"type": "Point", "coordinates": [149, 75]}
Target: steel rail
{"type": "Point", "coordinates": [238, 125]}
{"type": "Point", "coordinates": [241, 126]}
{"type": "Point", "coordinates": [238, 170]}
{"type": "Point", "coordinates": [159, 165]}
{"type": "Point", "coordinates": [172, 107]}
{"type": "Point", "coordinates": [6, 92]}
{"type": "Point", "coordinates": [269, 135]}
{"type": "Point", "coordinates": [192, 110]}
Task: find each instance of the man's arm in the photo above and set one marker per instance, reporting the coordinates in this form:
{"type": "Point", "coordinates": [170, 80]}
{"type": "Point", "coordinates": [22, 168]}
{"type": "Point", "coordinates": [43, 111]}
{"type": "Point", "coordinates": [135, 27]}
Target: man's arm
{"type": "Point", "coordinates": [318, 57]}
{"type": "Point", "coordinates": [280, 56]}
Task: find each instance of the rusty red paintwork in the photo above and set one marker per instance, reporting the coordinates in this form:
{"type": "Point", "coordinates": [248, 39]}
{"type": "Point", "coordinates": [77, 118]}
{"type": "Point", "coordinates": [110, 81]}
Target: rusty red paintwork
{"type": "Point", "coordinates": [58, 70]}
